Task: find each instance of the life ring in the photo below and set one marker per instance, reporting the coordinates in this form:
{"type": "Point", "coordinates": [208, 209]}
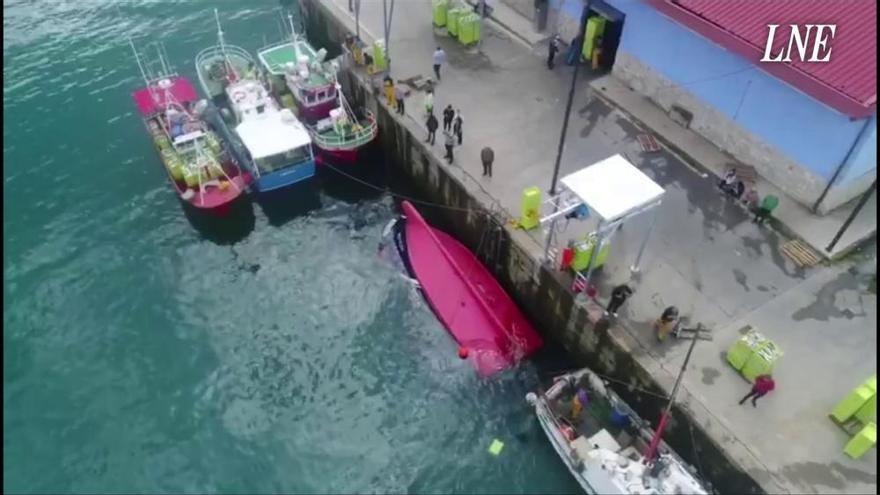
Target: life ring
{"type": "Point", "coordinates": [238, 96]}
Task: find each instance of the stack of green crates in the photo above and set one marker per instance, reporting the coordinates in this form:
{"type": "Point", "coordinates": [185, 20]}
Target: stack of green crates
{"type": "Point", "coordinates": [762, 361]}
{"type": "Point", "coordinates": [469, 29]}
{"type": "Point", "coordinates": [741, 350]}
{"type": "Point", "coordinates": [860, 403]}
{"type": "Point", "coordinates": [379, 55]}
{"type": "Point", "coordinates": [753, 355]}
{"type": "Point", "coordinates": [439, 10]}
{"type": "Point", "coordinates": [452, 19]}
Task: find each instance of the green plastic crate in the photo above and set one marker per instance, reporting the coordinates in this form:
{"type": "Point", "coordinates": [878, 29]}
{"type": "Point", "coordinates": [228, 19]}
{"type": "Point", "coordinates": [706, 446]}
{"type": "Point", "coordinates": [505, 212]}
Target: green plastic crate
{"type": "Point", "coordinates": [452, 18]}
{"type": "Point", "coordinates": [582, 254]}
{"type": "Point", "coordinates": [439, 9]}
{"type": "Point", "coordinates": [862, 442]}
{"type": "Point", "coordinates": [868, 412]}
{"type": "Point", "coordinates": [595, 29]}
{"type": "Point", "coordinates": [871, 383]}
{"type": "Point", "coordinates": [845, 409]}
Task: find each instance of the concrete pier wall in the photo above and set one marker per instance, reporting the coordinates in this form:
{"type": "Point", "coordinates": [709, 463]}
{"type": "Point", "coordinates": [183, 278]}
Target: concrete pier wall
{"type": "Point", "coordinates": [511, 255]}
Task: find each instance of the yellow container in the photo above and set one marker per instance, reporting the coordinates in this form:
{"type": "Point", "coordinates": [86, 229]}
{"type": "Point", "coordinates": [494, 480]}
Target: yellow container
{"type": "Point", "coordinates": [846, 408]}
{"type": "Point", "coordinates": [531, 208]}
{"type": "Point", "coordinates": [862, 442]}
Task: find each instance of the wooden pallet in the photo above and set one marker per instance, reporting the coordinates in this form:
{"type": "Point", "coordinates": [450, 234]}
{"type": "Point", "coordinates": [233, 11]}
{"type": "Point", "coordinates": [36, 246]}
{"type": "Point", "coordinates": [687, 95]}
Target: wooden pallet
{"type": "Point", "coordinates": [800, 253]}
{"type": "Point", "coordinates": [648, 143]}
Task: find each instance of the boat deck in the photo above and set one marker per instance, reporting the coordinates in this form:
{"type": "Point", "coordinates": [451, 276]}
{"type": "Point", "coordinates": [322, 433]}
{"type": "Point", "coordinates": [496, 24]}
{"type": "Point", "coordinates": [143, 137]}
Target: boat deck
{"type": "Point", "coordinates": [278, 57]}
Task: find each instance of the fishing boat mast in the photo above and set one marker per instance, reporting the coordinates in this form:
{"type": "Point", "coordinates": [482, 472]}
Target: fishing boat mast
{"type": "Point", "coordinates": [658, 433]}
{"type": "Point", "coordinates": [230, 67]}
{"type": "Point", "coordinates": [293, 39]}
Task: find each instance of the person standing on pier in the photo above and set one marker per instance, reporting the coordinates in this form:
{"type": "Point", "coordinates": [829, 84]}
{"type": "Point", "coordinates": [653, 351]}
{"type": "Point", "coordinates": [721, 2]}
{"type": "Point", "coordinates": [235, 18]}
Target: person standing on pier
{"type": "Point", "coordinates": [618, 296]}
{"type": "Point", "coordinates": [439, 59]}
{"type": "Point", "coordinates": [448, 115]}
{"type": "Point", "coordinates": [388, 88]}
{"type": "Point", "coordinates": [450, 143]}
{"type": "Point", "coordinates": [399, 96]}
{"type": "Point", "coordinates": [432, 128]}
{"type": "Point", "coordinates": [456, 126]}
{"type": "Point", "coordinates": [553, 50]}
{"type": "Point", "coordinates": [764, 384]}
{"type": "Point", "coordinates": [487, 156]}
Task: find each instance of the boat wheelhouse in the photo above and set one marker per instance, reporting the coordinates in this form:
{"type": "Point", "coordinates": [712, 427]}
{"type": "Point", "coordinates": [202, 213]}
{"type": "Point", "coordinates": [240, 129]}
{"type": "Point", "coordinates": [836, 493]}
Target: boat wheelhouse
{"type": "Point", "coordinates": [201, 170]}
{"type": "Point", "coordinates": [278, 144]}
{"type": "Point", "coordinates": [311, 80]}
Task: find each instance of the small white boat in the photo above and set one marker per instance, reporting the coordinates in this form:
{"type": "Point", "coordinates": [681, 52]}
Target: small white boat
{"type": "Point", "coordinates": [606, 446]}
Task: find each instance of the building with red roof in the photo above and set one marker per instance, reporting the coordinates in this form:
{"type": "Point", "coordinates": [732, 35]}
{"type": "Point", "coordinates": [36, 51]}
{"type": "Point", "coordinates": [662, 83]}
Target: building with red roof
{"type": "Point", "coordinates": [807, 126]}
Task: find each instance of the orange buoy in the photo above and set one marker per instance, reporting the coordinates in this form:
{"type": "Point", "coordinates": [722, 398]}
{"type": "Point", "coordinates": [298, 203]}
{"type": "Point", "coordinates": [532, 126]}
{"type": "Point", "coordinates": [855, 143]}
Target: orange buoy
{"type": "Point", "coordinates": [463, 352]}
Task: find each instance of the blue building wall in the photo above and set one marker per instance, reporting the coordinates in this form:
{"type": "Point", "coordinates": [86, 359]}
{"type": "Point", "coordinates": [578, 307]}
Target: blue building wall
{"type": "Point", "coordinates": [864, 158]}
{"type": "Point", "coordinates": [807, 131]}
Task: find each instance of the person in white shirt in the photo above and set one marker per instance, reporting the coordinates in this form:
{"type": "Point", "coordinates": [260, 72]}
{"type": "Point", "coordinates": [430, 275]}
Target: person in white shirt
{"type": "Point", "coordinates": [439, 59]}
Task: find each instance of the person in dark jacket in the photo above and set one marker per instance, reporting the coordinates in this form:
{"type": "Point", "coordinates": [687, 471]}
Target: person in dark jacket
{"type": "Point", "coordinates": [448, 115]}
{"type": "Point", "coordinates": [399, 96]}
{"type": "Point", "coordinates": [432, 127]}
{"type": "Point", "coordinates": [764, 384]}
{"type": "Point", "coordinates": [450, 143]}
{"type": "Point", "coordinates": [553, 49]}
{"type": "Point", "coordinates": [487, 156]}
{"type": "Point", "coordinates": [456, 126]}
{"type": "Point", "coordinates": [618, 296]}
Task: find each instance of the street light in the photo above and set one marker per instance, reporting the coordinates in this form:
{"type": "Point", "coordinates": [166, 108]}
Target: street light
{"type": "Point", "coordinates": [582, 32]}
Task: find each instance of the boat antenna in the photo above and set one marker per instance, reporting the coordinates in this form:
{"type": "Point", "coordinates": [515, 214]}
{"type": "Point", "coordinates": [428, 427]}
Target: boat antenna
{"type": "Point", "coordinates": [160, 50]}
{"type": "Point", "coordinates": [137, 57]}
{"type": "Point", "coordinates": [293, 38]}
{"type": "Point", "coordinates": [655, 441]}
{"type": "Point", "coordinates": [229, 66]}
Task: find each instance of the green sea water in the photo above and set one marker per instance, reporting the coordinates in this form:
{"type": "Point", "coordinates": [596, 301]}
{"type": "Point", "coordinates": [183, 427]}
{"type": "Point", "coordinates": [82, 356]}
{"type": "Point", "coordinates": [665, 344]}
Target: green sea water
{"type": "Point", "coordinates": [148, 351]}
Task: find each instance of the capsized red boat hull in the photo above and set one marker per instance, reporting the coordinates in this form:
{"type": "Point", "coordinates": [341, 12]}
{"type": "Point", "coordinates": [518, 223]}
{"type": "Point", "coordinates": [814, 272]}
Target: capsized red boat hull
{"type": "Point", "coordinates": [468, 300]}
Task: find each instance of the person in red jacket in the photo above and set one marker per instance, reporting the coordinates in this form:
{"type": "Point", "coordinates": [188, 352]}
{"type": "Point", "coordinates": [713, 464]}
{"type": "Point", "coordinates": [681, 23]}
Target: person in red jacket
{"type": "Point", "coordinates": [763, 385]}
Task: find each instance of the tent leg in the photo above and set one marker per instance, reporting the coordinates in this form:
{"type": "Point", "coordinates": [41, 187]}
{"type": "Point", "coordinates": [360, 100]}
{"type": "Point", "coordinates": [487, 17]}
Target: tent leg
{"type": "Point", "coordinates": [600, 241]}
{"type": "Point", "coordinates": [635, 267]}
{"type": "Point", "coordinates": [547, 244]}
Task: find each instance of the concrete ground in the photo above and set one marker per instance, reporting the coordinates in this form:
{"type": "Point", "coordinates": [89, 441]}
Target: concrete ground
{"type": "Point", "coordinates": [704, 256]}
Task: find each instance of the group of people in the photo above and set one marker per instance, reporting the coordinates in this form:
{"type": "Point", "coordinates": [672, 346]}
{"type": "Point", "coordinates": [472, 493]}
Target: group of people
{"type": "Point", "coordinates": [452, 126]}
{"type": "Point", "coordinates": [734, 187]}
{"type": "Point", "coordinates": [666, 323]}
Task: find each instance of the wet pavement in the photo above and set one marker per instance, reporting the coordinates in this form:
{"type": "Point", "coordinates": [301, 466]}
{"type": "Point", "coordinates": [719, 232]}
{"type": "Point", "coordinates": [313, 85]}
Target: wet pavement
{"type": "Point", "coordinates": [704, 256]}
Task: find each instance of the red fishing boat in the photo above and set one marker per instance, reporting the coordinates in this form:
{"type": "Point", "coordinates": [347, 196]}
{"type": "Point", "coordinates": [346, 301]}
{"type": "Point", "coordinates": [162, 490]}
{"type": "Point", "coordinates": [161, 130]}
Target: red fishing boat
{"type": "Point", "coordinates": [201, 170]}
{"type": "Point", "coordinates": [469, 301]}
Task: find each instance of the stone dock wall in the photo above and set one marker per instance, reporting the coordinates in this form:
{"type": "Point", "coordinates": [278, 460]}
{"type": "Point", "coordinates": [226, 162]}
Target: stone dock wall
{"type": "Point", "coordinates": [511, 256]}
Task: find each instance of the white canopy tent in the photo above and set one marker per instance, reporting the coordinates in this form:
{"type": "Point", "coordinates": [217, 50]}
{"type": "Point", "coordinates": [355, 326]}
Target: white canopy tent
{"type": "Point", "coordinates": [614, 190]}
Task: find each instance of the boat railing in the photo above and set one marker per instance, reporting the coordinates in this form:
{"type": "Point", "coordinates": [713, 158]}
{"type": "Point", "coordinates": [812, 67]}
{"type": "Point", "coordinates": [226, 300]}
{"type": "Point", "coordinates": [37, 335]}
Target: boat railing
{"type": "Point", "coordinates": [218, 51]}
{"type": "Point", "coordinates": [363, 135]}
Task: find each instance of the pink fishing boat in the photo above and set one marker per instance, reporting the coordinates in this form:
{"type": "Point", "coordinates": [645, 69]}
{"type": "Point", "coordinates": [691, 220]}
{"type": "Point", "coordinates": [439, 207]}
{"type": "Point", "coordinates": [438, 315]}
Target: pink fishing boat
{"type": "Point", "coordinates": [467, 299]}
{"type": "Point", "coordinates": [201, 170]}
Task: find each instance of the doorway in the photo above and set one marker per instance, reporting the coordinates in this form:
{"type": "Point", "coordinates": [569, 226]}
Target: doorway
{"type": "Point", "coordinates": [606, 24]}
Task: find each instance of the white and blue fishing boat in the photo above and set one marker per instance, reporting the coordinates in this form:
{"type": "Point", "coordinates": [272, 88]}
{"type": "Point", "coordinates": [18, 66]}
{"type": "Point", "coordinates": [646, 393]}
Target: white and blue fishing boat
{"type": "Point", "coordinates": [277, 146]}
